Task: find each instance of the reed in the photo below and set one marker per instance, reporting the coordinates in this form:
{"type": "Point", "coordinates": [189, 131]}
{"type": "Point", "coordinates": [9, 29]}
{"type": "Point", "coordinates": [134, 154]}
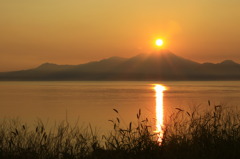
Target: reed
{"type": "Point", "coordinates": [212, 134]}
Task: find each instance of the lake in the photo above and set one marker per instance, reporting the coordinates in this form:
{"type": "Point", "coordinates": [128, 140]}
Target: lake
{"type": "Point", "coordinates": [93, 102]}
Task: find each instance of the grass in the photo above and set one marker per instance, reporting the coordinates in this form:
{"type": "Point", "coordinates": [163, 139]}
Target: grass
{"type": "Point", "coordinates": [212, 134]}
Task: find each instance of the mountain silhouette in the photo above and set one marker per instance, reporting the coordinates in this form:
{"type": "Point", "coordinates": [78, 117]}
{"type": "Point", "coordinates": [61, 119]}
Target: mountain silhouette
{"type": "Point", "coordinates": [162, 65]}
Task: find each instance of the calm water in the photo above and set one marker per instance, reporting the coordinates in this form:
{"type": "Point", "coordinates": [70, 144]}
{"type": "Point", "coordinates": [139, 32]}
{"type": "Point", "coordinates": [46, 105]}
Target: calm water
{"type": "Point", "coordinates": [93, 102]}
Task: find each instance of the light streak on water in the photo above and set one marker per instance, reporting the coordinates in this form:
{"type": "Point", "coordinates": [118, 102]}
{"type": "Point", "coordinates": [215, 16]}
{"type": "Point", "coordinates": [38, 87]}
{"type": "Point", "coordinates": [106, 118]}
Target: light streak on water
{"type": "Point", "coordinates": [159, 89]}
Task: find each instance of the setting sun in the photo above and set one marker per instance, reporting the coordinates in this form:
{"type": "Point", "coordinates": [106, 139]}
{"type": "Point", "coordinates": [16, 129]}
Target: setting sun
{"type": "Point", "coordinates": [159, 42]}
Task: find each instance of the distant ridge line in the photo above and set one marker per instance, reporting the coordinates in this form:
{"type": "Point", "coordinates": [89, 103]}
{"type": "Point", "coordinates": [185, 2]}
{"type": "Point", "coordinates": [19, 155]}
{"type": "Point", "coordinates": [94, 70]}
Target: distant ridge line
{"type": "Point", "coordinates": [163, 65]}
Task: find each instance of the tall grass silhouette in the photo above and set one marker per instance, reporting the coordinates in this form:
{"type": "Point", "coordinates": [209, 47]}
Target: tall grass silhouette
{"type": "Point", "coordinates": [211, 134]}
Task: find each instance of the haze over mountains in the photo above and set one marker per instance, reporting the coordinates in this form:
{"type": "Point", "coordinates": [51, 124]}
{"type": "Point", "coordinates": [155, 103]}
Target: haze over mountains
{"type": "Point", "coordinates": [162, 65]}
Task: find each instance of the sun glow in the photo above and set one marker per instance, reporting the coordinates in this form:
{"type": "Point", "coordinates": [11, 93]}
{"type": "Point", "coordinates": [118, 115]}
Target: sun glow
{"type": "Point", "coordinates": [159, 42]}
{"type": "Point", "coordinates": [159, 89]}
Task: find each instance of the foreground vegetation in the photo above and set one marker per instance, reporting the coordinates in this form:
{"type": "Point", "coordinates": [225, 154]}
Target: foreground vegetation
{"type": "Point", "coordinates": [212, 134]}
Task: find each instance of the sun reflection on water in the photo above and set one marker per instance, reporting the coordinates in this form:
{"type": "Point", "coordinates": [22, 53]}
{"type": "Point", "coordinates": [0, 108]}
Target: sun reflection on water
{"type": "Point", "coordinates": [159, 89]}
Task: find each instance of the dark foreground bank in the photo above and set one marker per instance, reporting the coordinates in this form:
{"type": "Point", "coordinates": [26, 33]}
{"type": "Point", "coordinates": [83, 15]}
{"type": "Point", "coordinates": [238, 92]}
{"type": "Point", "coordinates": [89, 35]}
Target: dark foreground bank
{"type": "Point", "coordinates": [188, 135]}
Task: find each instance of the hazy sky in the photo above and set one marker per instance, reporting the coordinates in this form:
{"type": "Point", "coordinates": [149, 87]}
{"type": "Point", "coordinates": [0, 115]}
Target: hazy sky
{"type": "Point", "coordinates": [77, 31]}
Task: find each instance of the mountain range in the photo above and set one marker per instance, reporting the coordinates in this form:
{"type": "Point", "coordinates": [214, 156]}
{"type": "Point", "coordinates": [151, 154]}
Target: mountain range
{"type": "Point", "coordinates": [162, 65]}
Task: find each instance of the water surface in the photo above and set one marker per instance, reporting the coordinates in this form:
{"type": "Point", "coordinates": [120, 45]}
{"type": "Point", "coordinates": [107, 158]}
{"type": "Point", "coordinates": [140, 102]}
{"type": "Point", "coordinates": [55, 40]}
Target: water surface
{"type": "Point", "coordinates": [92, 102]}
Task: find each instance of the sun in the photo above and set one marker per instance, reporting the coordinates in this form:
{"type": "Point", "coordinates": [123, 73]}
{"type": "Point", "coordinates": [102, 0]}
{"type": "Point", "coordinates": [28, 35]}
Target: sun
{"type": "Point", "coordinates": [159, 42]}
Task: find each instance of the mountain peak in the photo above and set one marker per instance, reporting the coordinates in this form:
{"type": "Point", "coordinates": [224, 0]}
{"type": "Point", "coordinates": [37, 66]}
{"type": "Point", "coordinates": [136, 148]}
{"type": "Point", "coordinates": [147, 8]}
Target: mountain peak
{"type": "Point", "coordinates": [46, 65]}
{"type": "Point", "coordinates": [53, 67]}
{"type": "Point", "coordinates": [168, 56]}
{"type": "Point", "coordinates": [114, 58]}
{"type": "Point", "coordinates": [229, 62]}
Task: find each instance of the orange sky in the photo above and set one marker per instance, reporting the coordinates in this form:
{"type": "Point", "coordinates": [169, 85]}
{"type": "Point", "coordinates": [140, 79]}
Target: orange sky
{"type": "Point", "coordinates": [78, 31]}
